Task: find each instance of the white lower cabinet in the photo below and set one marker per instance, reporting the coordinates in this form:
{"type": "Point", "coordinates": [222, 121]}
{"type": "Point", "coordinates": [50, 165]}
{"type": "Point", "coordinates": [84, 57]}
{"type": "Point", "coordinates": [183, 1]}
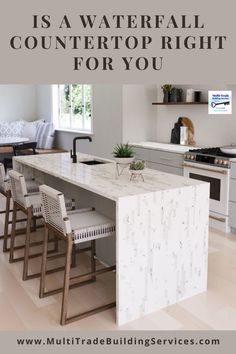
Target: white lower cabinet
{"type": "Point", "coordinates": [165, 168]}
{"type": "Point", "coordinates": [161, 160]}
{"type": "Point", "coordinates": [141, 153]}
{"type": "Point", "coordinates": [232, 214]}
{"type": "Point", "coordinates": [232, 197]}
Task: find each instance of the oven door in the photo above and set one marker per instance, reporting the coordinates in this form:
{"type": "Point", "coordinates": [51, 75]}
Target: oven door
{"type": "Point", "coordinates": [219, 184]}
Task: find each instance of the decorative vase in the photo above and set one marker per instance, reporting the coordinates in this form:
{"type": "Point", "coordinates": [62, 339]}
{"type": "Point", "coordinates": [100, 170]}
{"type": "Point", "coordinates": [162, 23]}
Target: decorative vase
{"type": "Point", "coordinates": [176, 95]}
{"type": "Point", "coordinates": [166, 97]}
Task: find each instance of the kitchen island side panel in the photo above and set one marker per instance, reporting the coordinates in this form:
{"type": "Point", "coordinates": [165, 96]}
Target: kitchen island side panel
{"type": "Point", "coordinates": [162, 249]}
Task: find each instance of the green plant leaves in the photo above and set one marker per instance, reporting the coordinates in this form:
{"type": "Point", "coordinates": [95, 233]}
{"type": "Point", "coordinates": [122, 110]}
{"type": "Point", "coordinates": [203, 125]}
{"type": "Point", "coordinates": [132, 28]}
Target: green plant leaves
{"type": "Point", "coordinates": [137, 165]}
{"type": "Point", "coordinates": [123, 150]}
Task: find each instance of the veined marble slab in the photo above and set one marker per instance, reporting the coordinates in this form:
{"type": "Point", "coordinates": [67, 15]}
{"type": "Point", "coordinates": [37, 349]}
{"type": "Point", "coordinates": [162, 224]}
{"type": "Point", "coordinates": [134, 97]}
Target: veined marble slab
{"type": "Point", "coordinates": [177, 148]}
{"type": "Point", "coordinates": [102, 179]}
{"type": "Point", "coordinates": [162, 249]}
{"type": "Point", "coordinates": [161, 229]}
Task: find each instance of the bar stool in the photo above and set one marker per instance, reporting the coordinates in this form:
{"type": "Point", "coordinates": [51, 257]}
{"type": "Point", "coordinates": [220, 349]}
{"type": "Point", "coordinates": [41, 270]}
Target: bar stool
{"type": "Point", "coordinates": [5, 189]}
{"type": "Point", "coordinates": [74, 227]}
{"type": "Point", "coordinates": [30, 205]}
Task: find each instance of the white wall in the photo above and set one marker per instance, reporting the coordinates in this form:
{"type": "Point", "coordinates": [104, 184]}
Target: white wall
{"type": "Point", "coordinates": [18, 102]}
{"type": "Point", "coordinates": [107, 123]}
{"type": "Point", "coordinates": [44, 102]}
{"type": "Point", "coordinates": [139, 116]}
{"type": "Point", "coordinates": [123, 113]}
{"type": "Point", "coordinates": [210, 130]}
{"type": "Point", "coordinates": [120, 113]}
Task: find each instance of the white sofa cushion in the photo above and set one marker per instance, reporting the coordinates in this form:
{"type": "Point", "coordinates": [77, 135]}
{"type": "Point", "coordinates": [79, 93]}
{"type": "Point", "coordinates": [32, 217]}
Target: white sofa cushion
{"type": "Point", "coordinates": [30, 129]}
{"type": "Point", "coordinates": [44, 135]}
{"type": "Point", "coordinates": [11, 128]}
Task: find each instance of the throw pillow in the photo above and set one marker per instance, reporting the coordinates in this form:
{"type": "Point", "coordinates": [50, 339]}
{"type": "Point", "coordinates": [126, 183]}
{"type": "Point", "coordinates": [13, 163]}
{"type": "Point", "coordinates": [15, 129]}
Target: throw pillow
{"type": "Point", "coordinates": [44, 135]}
{"type": "Point", "coordinates": [30, 129]}
{"type": "Point", "coordinates": [11, 128]}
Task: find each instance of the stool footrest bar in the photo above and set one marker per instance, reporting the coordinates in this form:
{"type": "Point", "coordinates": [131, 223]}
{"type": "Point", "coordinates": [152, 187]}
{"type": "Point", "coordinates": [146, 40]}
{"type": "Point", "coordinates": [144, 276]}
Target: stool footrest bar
{"type": "Point", "coordinates": [50, 271]}
{"type": "Point", "coordinates": [73, 286]}
{"type": "Point", "coordinates": [91, 274]}
{"type": "Point", "coordinates": [89, 313]}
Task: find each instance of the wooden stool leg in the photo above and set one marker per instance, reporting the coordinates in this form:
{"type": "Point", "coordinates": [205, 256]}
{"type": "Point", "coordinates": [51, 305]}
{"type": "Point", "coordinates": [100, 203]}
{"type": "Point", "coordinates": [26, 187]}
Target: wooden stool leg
{"type": "Point", "coordinates": [13, 233]}
{"type": "Point", "coordinates": [73, 263]}
{"type": "Point", "coordinates": [5, 237]}
{"type": "Point", "coordinates": [44, 263]}
{"type": "Point", "coordinates": [27, 244]}
{"type": "Point", "coordinates": [56, 245]}
{"type": "Point", "coordinates": [34, 225]}
{"type": "Point", "coordinates": [66, 285]}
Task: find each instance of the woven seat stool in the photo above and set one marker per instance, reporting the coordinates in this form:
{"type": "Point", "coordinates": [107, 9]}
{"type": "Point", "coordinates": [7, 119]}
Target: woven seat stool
{"type": "Point", "coordinates": [74, 227]}
{"type": "Point", "coordinates": [30, 205]}
{"type": "Point", "coordinates": [5, 189]}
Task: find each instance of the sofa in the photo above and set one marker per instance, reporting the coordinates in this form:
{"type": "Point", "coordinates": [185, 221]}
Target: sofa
{"type": "Point", "coordinates": [40, 131]}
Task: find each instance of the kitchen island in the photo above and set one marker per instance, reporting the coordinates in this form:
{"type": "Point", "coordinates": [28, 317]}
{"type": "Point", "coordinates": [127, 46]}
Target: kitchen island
{"type": "Point", "coordinates": [161, 243]}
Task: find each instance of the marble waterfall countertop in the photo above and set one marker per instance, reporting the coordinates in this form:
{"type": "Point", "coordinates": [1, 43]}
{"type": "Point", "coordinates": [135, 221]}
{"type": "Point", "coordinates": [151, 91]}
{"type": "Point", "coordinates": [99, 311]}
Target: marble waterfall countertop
{"type": "Point", "coordinates": [177, 148]}
{"type": "Point", "coordinates": [161, 241]}
{"type": "Point", "coordinates": [102, 179]}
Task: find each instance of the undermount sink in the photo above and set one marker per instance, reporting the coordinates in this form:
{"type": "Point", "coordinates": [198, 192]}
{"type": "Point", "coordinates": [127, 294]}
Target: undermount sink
{"type": "Point", "coordinates": [93, 162]}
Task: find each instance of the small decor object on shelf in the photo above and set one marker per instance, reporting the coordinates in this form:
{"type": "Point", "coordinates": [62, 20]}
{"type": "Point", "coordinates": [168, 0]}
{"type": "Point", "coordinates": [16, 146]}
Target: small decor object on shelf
{"type": "Point", "coordinates": [176, 95]}
{"type": "Point", "coordinates": [197, 96]}
{"type": "Point", "coordinates": [123, 155]}
{"type": "Point", "coordinates": [167, 88]}
{"type": "Point", "coordinates": [189, 95]}
{"type": "Point", "coordinates": [136, 168]}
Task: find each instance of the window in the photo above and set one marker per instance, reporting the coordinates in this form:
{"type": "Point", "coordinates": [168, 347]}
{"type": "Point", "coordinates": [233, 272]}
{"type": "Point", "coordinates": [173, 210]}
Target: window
{"type": "Point", "coordinates": [74, 107]}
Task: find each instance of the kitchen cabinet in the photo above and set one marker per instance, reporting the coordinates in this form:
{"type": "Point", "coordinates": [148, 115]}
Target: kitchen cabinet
{"type": "Point", "coordinates": [232, 215]}
{"type": "Point", "coordinates": [161, 160]}
{"type": "Point", "coordinates": [232, 197]}
{"type": "Point", "coordinates": [141, 153]}
{"type": "Point", "coordinates": [165, 168]}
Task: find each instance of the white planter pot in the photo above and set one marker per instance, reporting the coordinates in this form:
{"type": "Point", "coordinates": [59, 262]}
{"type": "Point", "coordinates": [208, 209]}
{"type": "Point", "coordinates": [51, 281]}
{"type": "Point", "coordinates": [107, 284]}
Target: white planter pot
{"type": "Point", "coordinates": [136, 172]}
{"type": "Point", "coordinates": [136, 175]}
{"type": "Point", "coordinates": [124, 160]}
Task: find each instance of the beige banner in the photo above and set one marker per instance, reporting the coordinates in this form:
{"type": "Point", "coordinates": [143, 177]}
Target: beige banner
{"type": "Point", "coordinates": [125, 41]}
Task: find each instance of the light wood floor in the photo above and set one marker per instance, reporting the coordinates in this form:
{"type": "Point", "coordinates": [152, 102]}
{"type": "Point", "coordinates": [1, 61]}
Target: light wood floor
{"type": "Point", "coordinates": [21, 308]}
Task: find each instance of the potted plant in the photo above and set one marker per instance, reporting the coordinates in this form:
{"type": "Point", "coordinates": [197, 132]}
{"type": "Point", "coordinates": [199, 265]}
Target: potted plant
{"type": "Point", "coordinates": [123, 153]}
{"type": "Point", "coordinates": [137, 166]}
{"type": "Point", "coordinates": [167, 88]}
{"type": "Point", "coordinates": [136, 169]}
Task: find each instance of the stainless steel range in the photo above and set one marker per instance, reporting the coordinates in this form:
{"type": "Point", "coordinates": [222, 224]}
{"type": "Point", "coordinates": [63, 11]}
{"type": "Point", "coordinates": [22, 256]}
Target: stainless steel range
{"type": "Point", "coordinates": [213, 166]}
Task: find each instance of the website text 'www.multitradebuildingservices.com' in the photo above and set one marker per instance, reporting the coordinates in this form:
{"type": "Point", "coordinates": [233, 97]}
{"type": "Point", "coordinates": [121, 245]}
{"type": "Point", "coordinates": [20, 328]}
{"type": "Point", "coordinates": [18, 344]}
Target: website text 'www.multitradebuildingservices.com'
{"type": "Point", "coordinates": [121, 340]}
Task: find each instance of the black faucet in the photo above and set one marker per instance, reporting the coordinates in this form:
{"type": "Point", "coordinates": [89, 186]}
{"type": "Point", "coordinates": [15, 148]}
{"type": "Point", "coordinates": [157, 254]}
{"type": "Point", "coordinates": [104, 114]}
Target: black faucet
{"type": "Point", "coordinates": [73, 154]}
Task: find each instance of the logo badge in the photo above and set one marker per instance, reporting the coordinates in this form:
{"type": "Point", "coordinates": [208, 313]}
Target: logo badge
{"type": "Point", "coordinates": [219, 102]}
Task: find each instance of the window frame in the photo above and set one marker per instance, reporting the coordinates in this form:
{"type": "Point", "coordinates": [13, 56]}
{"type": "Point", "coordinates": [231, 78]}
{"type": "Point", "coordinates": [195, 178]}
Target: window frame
{"type": "Point", "coordinates": [56, 111]}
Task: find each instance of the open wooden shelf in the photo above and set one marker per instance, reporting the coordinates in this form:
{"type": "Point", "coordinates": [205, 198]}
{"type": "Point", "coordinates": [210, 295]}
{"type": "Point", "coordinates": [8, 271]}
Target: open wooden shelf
{"type": "Point", "coordinates": [177, 103]}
